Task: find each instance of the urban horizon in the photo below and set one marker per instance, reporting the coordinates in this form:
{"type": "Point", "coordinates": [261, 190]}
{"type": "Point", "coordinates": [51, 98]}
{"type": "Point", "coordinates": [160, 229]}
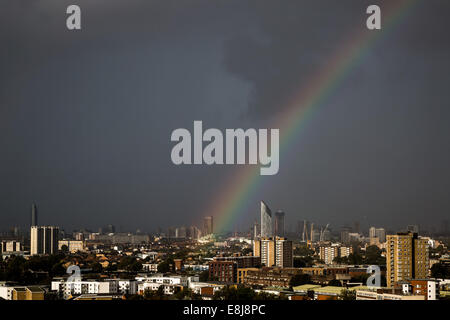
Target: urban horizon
{"type": "Point", "coordinates": [293, 226]}
{"type": "Point", "coordinates": [234, 159]}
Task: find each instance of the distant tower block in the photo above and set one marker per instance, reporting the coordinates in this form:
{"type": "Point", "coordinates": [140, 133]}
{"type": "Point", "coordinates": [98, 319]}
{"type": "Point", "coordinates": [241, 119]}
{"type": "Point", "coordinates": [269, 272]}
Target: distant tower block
{"type": "Point", "coordinates": [279, 223]}
{"type": "Point", "coordinates": [34, 215]}
{"type": "Point", "coordinates": [208, 226]}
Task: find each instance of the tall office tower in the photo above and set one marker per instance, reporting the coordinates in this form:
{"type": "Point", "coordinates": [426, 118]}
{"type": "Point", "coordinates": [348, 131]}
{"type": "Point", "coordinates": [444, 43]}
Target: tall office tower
{"type": "Point", "coordinates": [44, 240]}
{"type": "Point", "coordinates": [111, 229]}
{"type": "Point", "coordinates": [171, 232]}
{"type": "Point", "coordinates": [356, 226]}
{"type": "Point", "coordinates": [208, 227]}
{"type": "Point", "coordinates": [266, 221]}
{"type": "Point", "coordinates": [406, 257]}
{"type": "Point", "coordinates": [279, 224]}
{"type": "Point", "coordinates": [274, 252]}
{"type": "Point", "coordinates": [34, 215]}
{"type": "Point", "coordinates": [194, 232]}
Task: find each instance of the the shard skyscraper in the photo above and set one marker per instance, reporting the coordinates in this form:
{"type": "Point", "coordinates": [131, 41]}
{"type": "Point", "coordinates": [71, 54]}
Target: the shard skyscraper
{"type": "Point", "coordinates": [266, 221]}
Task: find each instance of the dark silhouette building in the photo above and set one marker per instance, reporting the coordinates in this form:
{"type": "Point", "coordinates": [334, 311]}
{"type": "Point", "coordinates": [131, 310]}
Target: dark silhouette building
{"type": "Point", "coordinates": [279, 224]}
{"type": "Point", "coordinates": [34, 215]}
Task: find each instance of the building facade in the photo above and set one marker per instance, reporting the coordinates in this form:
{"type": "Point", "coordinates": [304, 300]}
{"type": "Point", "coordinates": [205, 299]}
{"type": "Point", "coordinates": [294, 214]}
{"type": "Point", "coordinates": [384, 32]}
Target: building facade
{"type": "Point", "coordinates": [44, 240]}
{"type": "Point", "coordinates": [274, 252]}
{"type": "Point", "coordinates": [208, 225]}
{"type": "Point", "coordinates": [378, 233]}
{"type": "Point", "coordinates": [406, 258]}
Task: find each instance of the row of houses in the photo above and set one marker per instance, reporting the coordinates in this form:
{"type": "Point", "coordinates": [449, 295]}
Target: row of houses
{"type": "Point", "coordinates": [170, 284]}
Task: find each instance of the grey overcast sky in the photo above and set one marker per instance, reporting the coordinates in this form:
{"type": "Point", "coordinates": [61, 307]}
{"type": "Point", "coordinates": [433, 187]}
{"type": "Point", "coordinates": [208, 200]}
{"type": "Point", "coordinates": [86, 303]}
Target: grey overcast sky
{"type": "Point", "coordinates": [86, 116]}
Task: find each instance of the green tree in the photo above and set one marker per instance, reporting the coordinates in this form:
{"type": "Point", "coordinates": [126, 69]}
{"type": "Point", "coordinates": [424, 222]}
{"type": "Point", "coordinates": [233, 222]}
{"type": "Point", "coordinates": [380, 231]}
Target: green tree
{"type": "Point", "coordinates": [129, 263]}
{"type": "Point", "coordinates": [301, 262]}
{"type": "Point", "coordinates": [57, 270]}
{"type": "Point", "coordinates": [373, 256]}
{"type": "Point", "coordinates": [232, 293]}
{"type": "Point", "coordinates": [164, 267]}
{"type": "Point", "coordinates": [303, 250]}
{"type": "Point", "coordinates": [347, 295]}
{"type": "Point", "coordinates": [355, 258]}
{"type": "Point", "coordinates": [154, 294]}
{"type": "Point", "coordinates": [441, 271]}
{"type": "Point", "coordinates": [183, 294]}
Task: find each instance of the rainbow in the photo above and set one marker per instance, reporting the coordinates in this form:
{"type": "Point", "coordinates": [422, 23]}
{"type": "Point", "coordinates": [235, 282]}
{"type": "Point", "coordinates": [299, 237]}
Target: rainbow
{"type": "Point", "coordinates": [241, 186]}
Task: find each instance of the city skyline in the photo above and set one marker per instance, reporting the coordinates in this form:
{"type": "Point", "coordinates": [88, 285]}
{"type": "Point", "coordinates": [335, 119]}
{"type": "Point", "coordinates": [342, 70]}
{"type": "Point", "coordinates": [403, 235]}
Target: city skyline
{"type": "Point", "coordinates": [87, 135]}
{"type": "Point", "coordinates": [271, 225]}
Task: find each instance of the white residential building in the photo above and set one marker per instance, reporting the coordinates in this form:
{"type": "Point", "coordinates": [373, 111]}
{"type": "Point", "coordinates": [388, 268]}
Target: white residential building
{"type": "Point", "coordinates": [108, 286]}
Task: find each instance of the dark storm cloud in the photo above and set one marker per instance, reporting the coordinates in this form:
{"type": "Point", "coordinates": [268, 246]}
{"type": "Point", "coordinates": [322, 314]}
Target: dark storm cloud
{"type": "Point", "coordinates": [86, 117]}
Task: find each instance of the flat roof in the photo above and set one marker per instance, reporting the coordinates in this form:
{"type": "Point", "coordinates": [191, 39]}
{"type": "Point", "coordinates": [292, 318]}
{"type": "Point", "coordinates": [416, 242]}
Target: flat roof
{"type": "Point", "coordinates": [305, 287]}
{"type": "Point", "coordinates": [329, 289]}
{"type": "Point", "coordinates": [35, 289]}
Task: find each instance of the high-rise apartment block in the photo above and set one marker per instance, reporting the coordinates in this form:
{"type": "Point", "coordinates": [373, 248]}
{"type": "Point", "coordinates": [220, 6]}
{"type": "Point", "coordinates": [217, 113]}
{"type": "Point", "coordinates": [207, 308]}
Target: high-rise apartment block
{"type": "Point", "coordinates": [329, 252]}
{"type": "Point", "coordinates": [284, 256]}
{"type": "Point", "coordinates": [274, 252]}
{"type": "Point", "coordinates": [406, 258]}
{"type": "Point", "coordinates": [44, 240]}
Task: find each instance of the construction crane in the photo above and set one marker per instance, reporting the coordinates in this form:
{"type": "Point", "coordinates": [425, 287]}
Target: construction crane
{"type": "Point", "coordinates": [323, 231]}
{"type": "Point", "coordinates": [305, 231]}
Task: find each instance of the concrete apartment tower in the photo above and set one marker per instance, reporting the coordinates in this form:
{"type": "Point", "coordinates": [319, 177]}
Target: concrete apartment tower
{"type": "Point", "coordinates": [44, 240]}
{"type": "Point", "coordinates": [406, 258]}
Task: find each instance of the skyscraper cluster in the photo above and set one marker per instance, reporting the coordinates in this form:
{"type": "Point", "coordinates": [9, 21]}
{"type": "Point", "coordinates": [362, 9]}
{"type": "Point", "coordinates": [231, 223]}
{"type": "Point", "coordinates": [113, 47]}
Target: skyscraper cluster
{"type": "Point", "coordinates": [271, 227]}
{"type": "Point", "coordinates": [269, 245]}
